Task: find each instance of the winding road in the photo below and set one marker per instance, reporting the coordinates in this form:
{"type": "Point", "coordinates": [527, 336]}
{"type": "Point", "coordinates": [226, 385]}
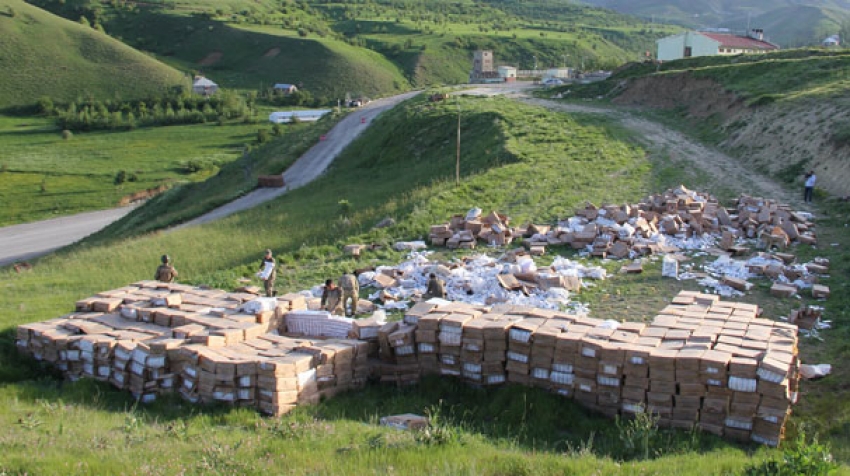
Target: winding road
{"type": "Point", "coordinates": [31, 240]}
{"type": "Point", "coordinates": [28, 241]}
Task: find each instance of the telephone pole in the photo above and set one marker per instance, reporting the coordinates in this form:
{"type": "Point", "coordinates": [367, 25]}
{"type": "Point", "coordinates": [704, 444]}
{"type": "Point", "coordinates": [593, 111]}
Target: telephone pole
{"type": "Point", "coordinates": [457, 160]}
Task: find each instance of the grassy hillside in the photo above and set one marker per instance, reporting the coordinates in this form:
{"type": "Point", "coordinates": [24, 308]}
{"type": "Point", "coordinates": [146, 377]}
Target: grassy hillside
{"type": "Point", "coordinates": [788, 23]}
{"type": "Point", "coordinates": [44, 55]}
{"type": "Point", "coordinates": [781, 113]}
{"type": "Point", "coordinates": [370, 49]}
{"type": "Point", "coordinates": [798, 25]}
{"type": "Point", "coordinates": [514, 159]}
{"type": "Point", "coordinates": [762, 78]}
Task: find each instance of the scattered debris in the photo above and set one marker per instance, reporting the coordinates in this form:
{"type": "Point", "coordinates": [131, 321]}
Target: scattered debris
{"type": "Point", "coordinates": [407, 421]}
{"type": "Point", "coordinates": [814, 372]}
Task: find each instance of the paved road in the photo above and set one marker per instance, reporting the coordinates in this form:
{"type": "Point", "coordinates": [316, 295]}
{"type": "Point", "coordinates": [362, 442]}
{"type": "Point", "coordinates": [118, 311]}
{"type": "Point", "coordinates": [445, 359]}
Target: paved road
{"type": "Point", "coordinates": [313, 163]}
{"type": "Point", "coordinates": [31, 240]}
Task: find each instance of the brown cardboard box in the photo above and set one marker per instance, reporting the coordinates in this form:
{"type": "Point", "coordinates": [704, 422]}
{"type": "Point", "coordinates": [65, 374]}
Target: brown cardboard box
{"type": "Point", "coordinates": [783, 290]}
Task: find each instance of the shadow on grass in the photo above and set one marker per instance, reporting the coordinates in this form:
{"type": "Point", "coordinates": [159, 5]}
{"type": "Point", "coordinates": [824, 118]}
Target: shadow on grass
{"type": "Point", "coordinates": [529, 418]}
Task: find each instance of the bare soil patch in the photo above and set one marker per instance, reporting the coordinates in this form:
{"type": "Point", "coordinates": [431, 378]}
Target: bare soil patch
{"type": "Point", "coordinates": [211, 58]}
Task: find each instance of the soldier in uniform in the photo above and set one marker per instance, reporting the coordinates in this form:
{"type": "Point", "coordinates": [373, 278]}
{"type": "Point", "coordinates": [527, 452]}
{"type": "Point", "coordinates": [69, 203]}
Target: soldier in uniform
{"type": "Point", "coordinates": [165, 272]}
{"type": "Point", "coordinates": [350, 290]}
{"type": "Point", "coordinates": [332, 298]}
{"type": "Point", "coordinates": [268, 273]}
{"type": "Point", "coordinates": [436, 287]}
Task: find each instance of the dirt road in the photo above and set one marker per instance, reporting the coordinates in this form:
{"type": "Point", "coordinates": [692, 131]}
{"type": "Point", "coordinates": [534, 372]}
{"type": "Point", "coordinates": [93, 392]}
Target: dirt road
{"type": "Point", "coordinates": [313, 163]}
{"type": "Point", "coordinates": [722, 170]}
{"type": "Point", "coordinates": [31, 240]}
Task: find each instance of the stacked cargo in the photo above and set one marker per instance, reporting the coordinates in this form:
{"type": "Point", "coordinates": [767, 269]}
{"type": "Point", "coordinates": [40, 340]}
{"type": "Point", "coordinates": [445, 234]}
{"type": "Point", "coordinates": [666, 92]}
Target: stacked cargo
{"type": "Point", "coordinates": [622, 231]}
{"type": "Point", "coordinates": [464, 232]}
{"type": "Point", "coordinates": [700, 362]}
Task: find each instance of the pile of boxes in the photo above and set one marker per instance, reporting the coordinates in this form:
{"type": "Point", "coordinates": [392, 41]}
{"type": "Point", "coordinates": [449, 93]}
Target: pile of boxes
{"type": "Point", "coordinates": [623, 231]}
{"type": "Point", "coordinates": [151, 338]}
{"type": "Point", "coordinates": [701, 362]}
{"type": "Point", "coordinates": [465, 231]}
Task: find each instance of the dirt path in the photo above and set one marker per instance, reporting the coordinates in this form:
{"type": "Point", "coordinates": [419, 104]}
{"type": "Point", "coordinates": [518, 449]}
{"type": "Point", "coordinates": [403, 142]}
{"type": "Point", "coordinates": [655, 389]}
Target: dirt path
{"type": "Point", "coordinates": [723, 171]}
{"type": "Point", "coordinates": [313, 163]}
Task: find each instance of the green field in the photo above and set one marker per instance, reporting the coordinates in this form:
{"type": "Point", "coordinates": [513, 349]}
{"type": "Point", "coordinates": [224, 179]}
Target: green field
{"type": "Point", "coordinates": [43, 175]}
{"type": "Point", "coordinates": [44, 55]}
{"type": "Point", "coordinates": [527, 162]}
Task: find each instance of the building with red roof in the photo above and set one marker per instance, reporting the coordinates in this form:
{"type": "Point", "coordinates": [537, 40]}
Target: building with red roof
{"type": "Point", "coordinates": [703, 43]}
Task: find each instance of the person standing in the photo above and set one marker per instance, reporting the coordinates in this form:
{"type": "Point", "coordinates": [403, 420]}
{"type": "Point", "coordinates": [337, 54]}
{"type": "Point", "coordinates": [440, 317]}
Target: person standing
{"type": "Point", "coordinates": [811, 178]}
{"type": "Point", "coordinates": [268, 273]}
{"type": "Point", "coordinates": [332, 298]}
{"type": "Point", "coordinates": [165, 273]}
{"type": "Point", "coordinates": [350, 290]}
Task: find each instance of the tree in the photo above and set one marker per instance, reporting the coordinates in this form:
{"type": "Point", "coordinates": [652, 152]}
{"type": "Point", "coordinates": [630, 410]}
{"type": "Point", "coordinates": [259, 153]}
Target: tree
{"type": "Point", "coordinates": [45, 105]}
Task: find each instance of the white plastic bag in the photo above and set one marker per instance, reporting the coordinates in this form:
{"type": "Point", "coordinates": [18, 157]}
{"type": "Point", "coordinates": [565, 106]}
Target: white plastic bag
{"type": "Point", "coordinates": [268, 267]}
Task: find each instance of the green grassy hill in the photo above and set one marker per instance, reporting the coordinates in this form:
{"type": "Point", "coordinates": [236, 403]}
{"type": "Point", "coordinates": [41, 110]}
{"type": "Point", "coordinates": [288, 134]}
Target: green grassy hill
{"type": "Point", "coordinates": [44, 55]}
{"type": "Point", "coordinates": [369, 49]}
{"type": "Point", "coordinates": [788, 23]}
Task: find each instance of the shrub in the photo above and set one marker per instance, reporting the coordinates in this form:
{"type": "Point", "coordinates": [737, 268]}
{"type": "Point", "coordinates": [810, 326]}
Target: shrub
{"type": "Point", "coordinates": [841, 135]}
{"type": "Point", "coordinates": [120, 177]}
{"type": "Point", "coordinates": [344, 207]}
{"type": "Point", "coordinates": [66, 134]}
{"type": "Point", "coordinates": [800, 457]}
{"type": "Point", "coordinates": [638, 434]}
{"type": "Point", "coordinates": [45, 105]}
{"type": "Point", "coordinates": [262, 136]}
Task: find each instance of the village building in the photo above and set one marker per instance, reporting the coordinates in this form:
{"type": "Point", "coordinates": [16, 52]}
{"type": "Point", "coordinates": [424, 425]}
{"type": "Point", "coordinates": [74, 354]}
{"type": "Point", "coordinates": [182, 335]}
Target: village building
{"type": "Point", "coordinates": [702, 43]}
{"type": "Point", "coordinates": [285, 88]}
{"type": "Point", "coordinates": [204, 86]}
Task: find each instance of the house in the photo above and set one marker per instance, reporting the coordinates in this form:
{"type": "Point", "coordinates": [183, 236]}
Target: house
{"type": "Point", "coordinates": [831, 42]}
{"type": "Point", "coordinates": [507, 73]}
{"type": "Point", "coordinates": [204, 86]}
{"type": "Point", "coordinates": [702, 43]}
{"type": "Point", "coordinates": [284, 88]}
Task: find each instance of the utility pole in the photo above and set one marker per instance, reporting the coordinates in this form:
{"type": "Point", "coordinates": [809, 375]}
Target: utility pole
{"type": "Point", "coordinates": [457, 160]}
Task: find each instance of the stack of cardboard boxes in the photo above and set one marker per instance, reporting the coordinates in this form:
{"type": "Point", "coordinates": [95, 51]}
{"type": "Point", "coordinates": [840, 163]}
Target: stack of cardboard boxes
{"type": "Point", "coordinates": [206, 353]}
{"type": "Point", "coordinates": [700, 363]}
{"type": "Point", "coordinates": [465, 231]}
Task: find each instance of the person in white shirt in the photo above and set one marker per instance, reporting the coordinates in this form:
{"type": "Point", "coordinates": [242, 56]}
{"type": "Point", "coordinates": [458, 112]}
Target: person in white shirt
{"type": "Point", "coordinates": [811, 178]}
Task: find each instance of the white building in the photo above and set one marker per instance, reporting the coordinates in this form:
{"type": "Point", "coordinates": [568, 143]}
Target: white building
{"type": "Point", "coordinates": [204, 86]}
{"type": "Point", "coordinates": [281, 117]}
{"type": "Point", "coordinates": [560, 73]}
{"type": "Point", "coordinates": [831, 41]}
{"type": "Point", "coordinates": [702, 43]}
{"type": "Point", "coordinates": [507, 73]}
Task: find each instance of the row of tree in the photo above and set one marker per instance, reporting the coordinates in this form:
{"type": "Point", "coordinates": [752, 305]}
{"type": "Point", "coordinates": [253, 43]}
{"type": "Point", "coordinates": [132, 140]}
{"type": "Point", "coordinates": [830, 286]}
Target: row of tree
{"type": "Point", "coordinates": [91, 114]}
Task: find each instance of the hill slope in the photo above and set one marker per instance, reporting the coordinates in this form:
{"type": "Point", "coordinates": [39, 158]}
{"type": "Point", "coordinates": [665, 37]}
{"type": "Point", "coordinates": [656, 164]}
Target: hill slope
{"type": "Point", "coordinates": [334, 47]}
{"type": "Point", "coordinates": [789, 23]}
{"type": "Point", "coordinates": [780, 113]}
{"type": "Point", "coordinates": [45, 55]}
